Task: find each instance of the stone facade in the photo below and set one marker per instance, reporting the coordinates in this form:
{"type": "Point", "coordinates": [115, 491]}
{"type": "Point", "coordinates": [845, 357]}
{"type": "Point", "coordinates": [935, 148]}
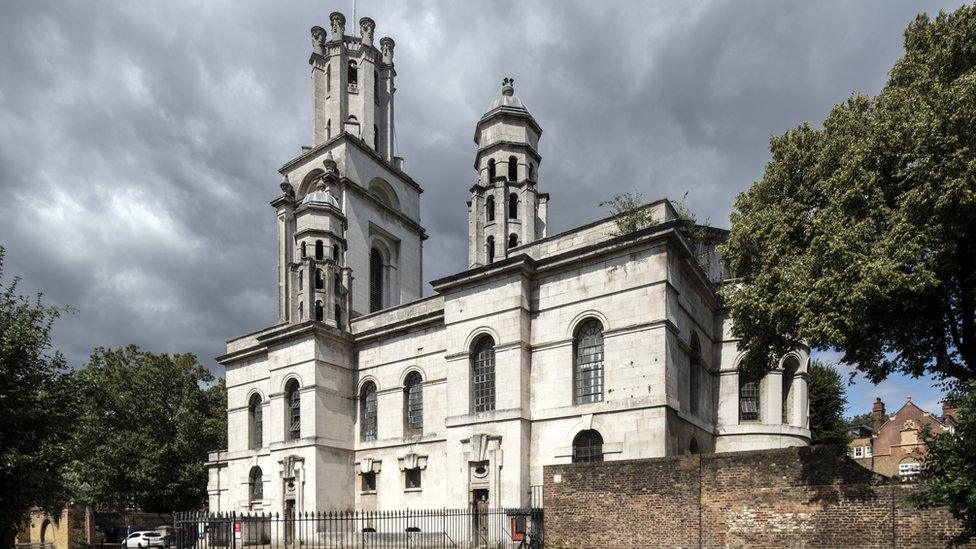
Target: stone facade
{"type": "Point", "coordinates": [589, 344]}
{"type": "Point", "coordinates": [795, 497]}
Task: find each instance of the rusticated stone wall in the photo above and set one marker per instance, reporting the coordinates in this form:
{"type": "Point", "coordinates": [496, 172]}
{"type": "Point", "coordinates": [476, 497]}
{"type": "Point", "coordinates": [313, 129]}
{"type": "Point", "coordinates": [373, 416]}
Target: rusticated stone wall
{"type": "Point", "coordinates": [792, 497]}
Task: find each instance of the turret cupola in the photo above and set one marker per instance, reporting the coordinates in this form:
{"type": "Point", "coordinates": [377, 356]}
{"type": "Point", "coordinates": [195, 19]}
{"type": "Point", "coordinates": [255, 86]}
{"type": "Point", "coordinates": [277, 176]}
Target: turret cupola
{"type": "Point", "coordinates": [506, 210]}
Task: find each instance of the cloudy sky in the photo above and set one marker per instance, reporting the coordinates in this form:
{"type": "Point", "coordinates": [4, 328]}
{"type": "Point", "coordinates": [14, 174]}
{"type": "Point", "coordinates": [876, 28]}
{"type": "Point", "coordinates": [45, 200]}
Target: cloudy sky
{"type": "Point", "coordinates": [139, 141]}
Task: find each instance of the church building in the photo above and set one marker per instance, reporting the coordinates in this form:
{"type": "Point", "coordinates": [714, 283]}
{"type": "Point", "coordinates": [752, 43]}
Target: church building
{"type": "Point", "coordinates": [593, 344]}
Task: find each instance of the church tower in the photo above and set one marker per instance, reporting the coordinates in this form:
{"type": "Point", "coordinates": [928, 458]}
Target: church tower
{"type": "Point", "coordinates": [506, 210]}
{"type": "Point", "coordinates": [349, 234]}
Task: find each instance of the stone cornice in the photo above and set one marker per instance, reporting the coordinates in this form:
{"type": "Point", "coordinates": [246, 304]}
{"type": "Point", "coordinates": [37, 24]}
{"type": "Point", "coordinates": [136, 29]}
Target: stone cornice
{"type": "Point", "coordinates": [507, 112]}
{"type": "Point", "coordinates": [506, 143]}
{"type": "Point", "coordinates": [285, 332]}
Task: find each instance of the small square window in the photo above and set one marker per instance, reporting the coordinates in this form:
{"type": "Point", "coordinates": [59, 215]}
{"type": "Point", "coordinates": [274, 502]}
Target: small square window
{"type": "Point", "coordinates": [413, 478]}
{"type": "Point", "coordinates": [868, 451]}
{"type": "Point", "coordinates": [369, 482]}
{"type": "Point", "coordinates": [858, 451]}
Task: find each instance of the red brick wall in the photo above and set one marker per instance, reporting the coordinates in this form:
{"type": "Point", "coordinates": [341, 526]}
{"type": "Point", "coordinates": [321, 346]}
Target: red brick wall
{"type": "Point", "coordinates": [794, 497]}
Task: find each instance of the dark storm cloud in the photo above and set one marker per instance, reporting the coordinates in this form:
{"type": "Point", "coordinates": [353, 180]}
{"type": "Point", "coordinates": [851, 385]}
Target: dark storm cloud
{"type": "Point", "coordinates": [139, 141]}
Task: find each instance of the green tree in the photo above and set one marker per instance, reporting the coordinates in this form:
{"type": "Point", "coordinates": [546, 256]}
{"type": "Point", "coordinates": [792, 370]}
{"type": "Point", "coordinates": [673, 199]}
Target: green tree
{"type": "Point", "coordinates": [860, 237]}
{"type": "Point", "coordinates": [36, 404]}
{"type": "Point", "coordinates": [146, 424]}
{"type": "Point", "coordinates": [861, 419]}
{"type": "Point", "coordinates": [949, 471]}
{"type": "Point", "coordinates": [828, 395]}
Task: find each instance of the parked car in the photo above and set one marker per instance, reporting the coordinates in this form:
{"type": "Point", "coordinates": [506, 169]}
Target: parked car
{"type": "Point", "coordinates": [142, 539]}
{"type": "Point", "coordinates": [118, 534]}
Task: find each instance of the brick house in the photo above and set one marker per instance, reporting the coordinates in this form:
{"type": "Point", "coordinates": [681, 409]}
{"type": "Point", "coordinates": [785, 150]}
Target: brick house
{"type": "Point", "coordinates": [894, 444]}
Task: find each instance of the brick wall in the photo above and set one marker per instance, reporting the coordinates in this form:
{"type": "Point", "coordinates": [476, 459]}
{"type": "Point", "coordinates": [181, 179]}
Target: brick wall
{"type": "Point", "coordinates": [793, 497]}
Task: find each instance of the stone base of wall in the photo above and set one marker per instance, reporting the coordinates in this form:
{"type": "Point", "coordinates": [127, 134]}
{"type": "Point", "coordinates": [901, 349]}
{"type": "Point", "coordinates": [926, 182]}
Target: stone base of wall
{"type": "Point", "coordinates": [791, 497]}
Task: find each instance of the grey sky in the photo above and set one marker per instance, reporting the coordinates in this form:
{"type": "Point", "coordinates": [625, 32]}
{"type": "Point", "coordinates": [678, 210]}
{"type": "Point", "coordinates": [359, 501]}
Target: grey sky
{"type": "Point", "coordinates": [139, 141]}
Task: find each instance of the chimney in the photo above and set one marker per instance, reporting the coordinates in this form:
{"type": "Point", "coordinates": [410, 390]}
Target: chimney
{"type": "Point", "coordinates": [878, 413]}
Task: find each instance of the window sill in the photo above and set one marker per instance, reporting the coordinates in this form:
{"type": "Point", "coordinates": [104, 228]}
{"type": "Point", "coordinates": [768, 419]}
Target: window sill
{"type": "Point", "coordinates": [408, 490]}
{"type": "Point", "coordinates": [368, 493]}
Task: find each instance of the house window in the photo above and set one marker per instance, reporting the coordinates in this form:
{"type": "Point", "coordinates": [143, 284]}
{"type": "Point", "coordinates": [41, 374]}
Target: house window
{"type": "Point", "coordinates": [255, 415]}
{"type": "Point", "coordinates": [748, 398]}
{"type": "Point", "coordinates": [375, 280]}
{"type": "Point", "coordinates": [414, 403]}
{"type": "Point", "coordinates": [293, 400]}
{"type": "Point", "coordinates": [694, 375]}
{"type": "Point", "coordinates": [858, 451]}
{"type": "Point", "coordinates": [353, 73]}
{"type": "Point", "coordinates": [413, 479]}
{"type": "Point", "coordinates": [369, 482]}
{"type": "Point", "coordinates": [512, 240]}
{"type": "Point", "coordinates": [319, 313]}
{"type": "Point", "coordinates": [490, 248]}
{"type": "Point", "coordinates": [483, 375]}
{"type": "Point", "coordinates": [513, 206]}
{"type": "Point", "coordinates": [868, 451]}
{"type": "Point", "coordinates": [367, 412]}
{"type": "Point", "coordinates": [587, 447]}
{"type": "Point", "coordinates": [255, 484]}
{"type": "Point", "coordinates": [490, 208]}
{"type": "Point", "coordinates": [319, 252]}
{"type": "Point", "coordinates": [512, 168]}
{"type": "Point", "coordinates": [588, 362]}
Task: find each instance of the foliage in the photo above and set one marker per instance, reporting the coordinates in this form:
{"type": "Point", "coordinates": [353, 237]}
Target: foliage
{"type": "Point", "coordinates": [828, 395]}
{"type": "Point", "coordinates": [861, 419]}
{"type": "Point", "coordinates": [860, 235]}
{"type": "Point", "coordinates": [948, 476]}
{"type": "Point", "coordinates": [36, 406]}
{"type": "Point", "coordinates": [631, 212]}
{"type": "Point", "coordinates": [146, 424]}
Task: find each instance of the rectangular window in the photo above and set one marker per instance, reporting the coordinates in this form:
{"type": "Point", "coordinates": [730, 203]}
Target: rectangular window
{"type": "Point", "coordinates": [748, 399]}
{"type": "Point", "coordinates": [908, 469]}
{"type": "Point", "coordinates": [369, 482]}
{"type": "Point", "coordinates": [858, 451]}
{"type": "Point", "coordinates": [868, 452]}
{"type": "Point", "coordinates": [413, 478]}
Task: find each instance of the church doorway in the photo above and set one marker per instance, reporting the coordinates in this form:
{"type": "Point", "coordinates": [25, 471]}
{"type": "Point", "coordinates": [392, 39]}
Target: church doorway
{"type": "Point", "coordinates": [479, 515]}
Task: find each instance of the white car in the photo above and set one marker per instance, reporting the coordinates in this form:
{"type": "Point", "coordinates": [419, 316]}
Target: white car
{"type": "Point", "coordinates": [137, 540]}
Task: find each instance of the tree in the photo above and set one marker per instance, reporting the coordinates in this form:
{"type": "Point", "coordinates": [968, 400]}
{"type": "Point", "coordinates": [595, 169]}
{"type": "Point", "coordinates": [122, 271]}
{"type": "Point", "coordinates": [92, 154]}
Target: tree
{"type": "Point", "coordinates": [36, 402]}
{"type": "Point", "coordinates": [146, 424]}
{"type": "Point", "coordinates": [862, 419]}
{"type": "Point", "coordinates": [828, 395]}
{"type": "Point", "coordinates": [948, 475]}
{"type": "Point", "coordinates": [860, 237]}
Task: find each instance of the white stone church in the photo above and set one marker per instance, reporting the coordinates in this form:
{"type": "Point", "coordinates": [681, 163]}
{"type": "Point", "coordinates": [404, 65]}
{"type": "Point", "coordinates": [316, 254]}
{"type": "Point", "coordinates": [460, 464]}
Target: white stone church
{"type": "Point", "coordinates": [590, 344]}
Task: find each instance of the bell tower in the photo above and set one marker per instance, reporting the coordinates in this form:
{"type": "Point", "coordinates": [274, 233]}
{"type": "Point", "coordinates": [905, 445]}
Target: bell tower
{"type": "Point", "coordinates": [352, 86]}
{"type": "Point", "coordinates": [506, 210]}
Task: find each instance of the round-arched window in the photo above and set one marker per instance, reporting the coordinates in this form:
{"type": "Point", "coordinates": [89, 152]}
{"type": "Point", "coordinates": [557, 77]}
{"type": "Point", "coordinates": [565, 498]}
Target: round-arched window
{"type": "Point", "coordinates": [587, 447]}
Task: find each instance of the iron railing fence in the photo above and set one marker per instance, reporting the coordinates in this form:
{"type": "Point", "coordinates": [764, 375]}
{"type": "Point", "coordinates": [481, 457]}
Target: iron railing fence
{"type": "Point", "coordinates": [413, 528]}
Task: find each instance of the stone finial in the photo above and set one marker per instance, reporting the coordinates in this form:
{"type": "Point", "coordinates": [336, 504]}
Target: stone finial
{"type": "Point", "coordinates": [338, 25]}
{"type": "Point", "coordinates": [331, 167]}
{"type": "Point", "coordinates": [508, 87]}
{"type": "Point", "coordinates": [386, 47]}
{"type": "Point", "coordinates": [318, 40]}
{"type": "Point", "coordinates": [366, 28]}
{"type": "Point", "coordinates": [286, 186]}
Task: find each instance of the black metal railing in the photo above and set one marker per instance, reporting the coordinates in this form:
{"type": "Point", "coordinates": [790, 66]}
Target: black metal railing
{"type": "Point", "coordinates": [430, 528]}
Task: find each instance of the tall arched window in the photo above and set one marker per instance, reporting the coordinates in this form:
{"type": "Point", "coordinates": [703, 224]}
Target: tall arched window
{"type": "Point", "coordinates": [336, 284]}
{"type": "Point", "coordinates": [319, 281]}
{"type": "Point", "coordinates": [588, 362]}
{"type": "Point", "coordinates": [512, 240]}
{"type": "Point", "coordinates": [375, 280]}
{"type": "Point", "coordinates": [304, 251]}
{"type": "Point", "coordinates": [319, 250]}
{"type": "Point", "coordinates": [319, 313]}
{"type": "Point", "coordinates": [413, 400]}
{"type": "Point", "coordinates": [353, 73]}
{"type": "Point", "coordinates": [512, 168]}
{"type": "Point", "coordinates": [531, 172]}
{"type": "Point", "coordinates": [483, 375]}
{"type": "Point", "coordinates": [513, 206]}
{"type": "Point", "coordinates": [255, 414]}
{"type": "Point", "coordinates": [748, 397]}
{"type": "Point", "coordinates": [694, 374]}
{"type": "Point", "coordinates": [790, 366]}
{"type": "Point", "coordinates": [587, 447]}
{"type": "Point", "coordinates": [335, 252]}
{"type": "Point", "coordinates": [490, 247]}
{"type": "Point", "coordinates": [490, 208]}
{"type": "Point", "coordinates": [367, 412]}
{"type": "Point", "coordinates": [491, 170]}
{"type": "Point", "coordinates": [255, 484]}
{"type": "Point", "coordinates": [293, 400]}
